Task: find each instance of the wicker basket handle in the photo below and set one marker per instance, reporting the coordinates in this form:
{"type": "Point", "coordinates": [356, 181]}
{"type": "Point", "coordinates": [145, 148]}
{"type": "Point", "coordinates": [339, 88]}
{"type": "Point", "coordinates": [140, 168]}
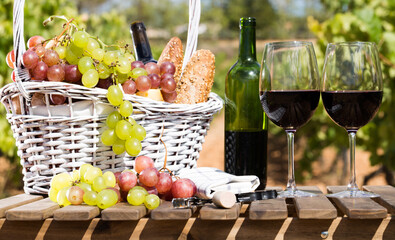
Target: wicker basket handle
{"type": "Point", "coordinates": [22, 74]}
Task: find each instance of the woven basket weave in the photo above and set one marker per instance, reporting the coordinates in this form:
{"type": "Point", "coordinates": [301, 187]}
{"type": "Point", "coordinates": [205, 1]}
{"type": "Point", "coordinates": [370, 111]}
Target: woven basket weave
{"type": "Point", "coordinates": [54, 139]}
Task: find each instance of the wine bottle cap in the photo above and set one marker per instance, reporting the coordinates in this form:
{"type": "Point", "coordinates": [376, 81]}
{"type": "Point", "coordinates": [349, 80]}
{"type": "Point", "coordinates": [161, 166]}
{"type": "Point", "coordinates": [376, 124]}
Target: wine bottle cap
{"type": "Point", "coordinates": [247, 22]}
{"type": "Point", "coordinates": [137, 25]}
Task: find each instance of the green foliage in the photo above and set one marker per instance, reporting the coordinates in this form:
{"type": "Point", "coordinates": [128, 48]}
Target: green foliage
{"type": "Point", "coordinates": [368, 20]}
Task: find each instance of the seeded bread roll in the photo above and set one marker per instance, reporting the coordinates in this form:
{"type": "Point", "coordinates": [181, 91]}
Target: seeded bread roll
{"type": "Point", "coordinates": [174, 53]}
{"type": "Point", "coordinates": [197, 79]}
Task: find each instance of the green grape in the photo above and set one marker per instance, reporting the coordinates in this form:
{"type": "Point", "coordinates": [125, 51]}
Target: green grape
{"type": "Point", "coordinates": [91, 46]}
{"type": "Point", "coordinates": [132, 121]}
{"type": "Point", "coordinates": [123, 129]}
{"type": "Point", "coordinates": [62, 197]}
{"type": "Point", "coordinates": [126, 108]}
{"type": "Point", "coordinates": [130, 57]}
{"type": "Point", "coordinates": [136, 197]}
{"type": "Point", "coordinates": [91, 174]}
{"type": "Point", "coordinates": [124, 65]}
{"type": "Point", "coordinates": [70, 56]}
{"type": "Point", "coordinates": [90, 198]}
{"type": "Point", "coordinates": [90, 78]}
{"type": "Point", "coordinates": [61, 50]}
{"type": "Point", "coordinates": [99, 184]}
{"type": "Point", "coordinates": [84, 167]}
{"type": "Point", "coordinates": [133, 146]}
{"type": "Point", "coordinates": [109, 179]}
{"type": "Point", "coordinates": [115, 95]}
{"type": "Point", "coordinates": [98, 54]}
{"type": "Point", "coordinates": [108, 137]}
{"type": "Point", "coordinates": [85, 64]}
{"type": "Point", "coordinates": [53, 194]}
{"type": "Point", "coordinates": [140, 188]}
{"type": "Point", "coordinates": [76, 175]}
{"type": "Point", "coordinates": [113, 118]}
{"type": "Point", "coordinates": [85, 186]}
{"type": "Point", "coordinates": [80, 39]}
{"type": "Point", "coordinates": [61, 181]}
{"type": "Point", "coordinates": [119, 146]}
{"type": "Point", "coordinates": [103, 70]}
{"type": "Point", "coordinates": [137, 72]}
{"type": "Point", "coordinates": [122, 78]}
{"type": "Point", "coordinates": [152, 201]}
{"type": "Point", "coordinates": [78, 52]}
{"type": "Point", "coordinates": [110, 57]}
{"type": "Point", "coordinates": [106, 198]}
{"type": "Point", "coordinates": [138, 132]}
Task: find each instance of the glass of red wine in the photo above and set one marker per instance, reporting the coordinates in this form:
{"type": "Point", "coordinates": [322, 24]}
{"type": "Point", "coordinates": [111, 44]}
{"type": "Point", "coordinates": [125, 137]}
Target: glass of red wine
{"type": "Point", "coordinates": [352, 91]}
{"type": "Point", "coordinates": [290, 92]}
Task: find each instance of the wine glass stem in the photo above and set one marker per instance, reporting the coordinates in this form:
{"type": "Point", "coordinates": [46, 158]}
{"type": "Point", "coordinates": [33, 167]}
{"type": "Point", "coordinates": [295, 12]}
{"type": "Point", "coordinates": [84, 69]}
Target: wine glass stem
{"type": "Point", "coordinates": [291, 169]}
{"type": "Point", "coordinates": [352, 186]}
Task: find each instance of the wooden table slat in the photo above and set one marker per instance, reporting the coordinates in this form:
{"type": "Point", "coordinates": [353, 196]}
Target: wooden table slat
{"type": "Point", "coordinates": [358, 208]}
{"type": "Point", "coordinates": [123, 212]}
{"type": "Point", "coordinates": [211, 212]}
{"type": "Point", "coordinates": [166, 212]}
{"type": "Point", "coordinates": [387, 196]}
{"type": "Point", "coordinates": [318, 207]}
{"type": "Point", "coordinates": [270, 209]}
{"type": "Point", "coordinates": [38, 210]}
{"type": "Point", "coordinates": [76, 213]}
{"type": "Point", "coordinates": [16, 201]}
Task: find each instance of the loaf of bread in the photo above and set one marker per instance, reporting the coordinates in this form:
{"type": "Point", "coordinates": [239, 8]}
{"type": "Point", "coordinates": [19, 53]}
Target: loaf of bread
{"type": "Point", "coordinates": [198, 78]}
{"type": "Point", "coordinates": [174, 53]}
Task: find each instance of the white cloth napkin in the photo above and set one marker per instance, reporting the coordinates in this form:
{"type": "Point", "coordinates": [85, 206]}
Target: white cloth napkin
{"type": "Point", "coordinates": [210, 180]}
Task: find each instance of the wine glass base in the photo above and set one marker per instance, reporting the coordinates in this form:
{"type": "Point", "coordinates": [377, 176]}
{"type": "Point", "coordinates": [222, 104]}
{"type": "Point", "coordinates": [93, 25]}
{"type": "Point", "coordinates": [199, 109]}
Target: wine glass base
{"type": "Point", "coordinates": [289, 193]}
{"type": "Point", "coordinates": [353, 194]}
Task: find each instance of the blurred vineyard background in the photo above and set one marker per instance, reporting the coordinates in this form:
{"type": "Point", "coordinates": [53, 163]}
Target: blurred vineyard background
{"type": "Point", "coordinates": [322, 147]}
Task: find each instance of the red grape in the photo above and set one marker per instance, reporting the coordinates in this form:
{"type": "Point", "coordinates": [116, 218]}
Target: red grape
{"type": "Point", "coordinates": [143, 83]}
{"type": "Point", "coordinates": [150, 190]}
{"type": "Point", "coordinates": [124, 195]}
{"type": "Point", "coordinates": [57, 99]}
{"type": "Point", "coordinates": [169, 97]}
{"type": "Point", "coordinates": [40, 71]}
{"type": "Point", "coordinates": [105, 83]}
{"type": "Point", "coordinates": [149, 177]}
{"type": "Point", "coordinates": [129, 87]}
{"type": "Point", "coordinates": [55, 73]}
{"type": "Point", "coordinates": [13, 77]}
{"type": "Point", "coordinates": [39, 49]}
{"type": "Point", "coordinates": [72, 74]}
{"type": "Point", "coordinates": [127, 180]}
{"type": "Point", "coordinates": [183, 188]}
{"type": "Point", "coordinates": [30, 59]}
{"type": "Point", "coordinates": [143, 162]}
{"type": "Point", "coordinates": [33, 41]}
{"type": "Point", "coordinates": [75, 195]}
{"type": "Point", "coordinates": [193, 185]}
{"type": "Point", "coordinates": [168, 85]}
{"type": "Point", "coordinates": [167, 196]}
{"type": "Point", "coordinates": [166, 75]}
{"type": "Point", "coordinates": [167, 67]}
{"type": "Point", "coordinates": [164, 183]}
{"type": "Point", "coordinates": [117, 174]}
{"type": "Point", "coordinates": [10, 59]}
{"type": "Point", "coordinates": [137, 64]}
{"type": "Point", "coordinates": [51, 57]}
{"type": "Point", "coordinates": [152, 67]}
{"type": "Point", "coordinates": [155, 80]}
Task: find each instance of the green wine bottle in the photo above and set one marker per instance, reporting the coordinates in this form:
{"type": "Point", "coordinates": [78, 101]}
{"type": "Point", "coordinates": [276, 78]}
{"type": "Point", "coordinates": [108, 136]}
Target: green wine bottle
{"type": "Point", "coordinates": [245, 121]}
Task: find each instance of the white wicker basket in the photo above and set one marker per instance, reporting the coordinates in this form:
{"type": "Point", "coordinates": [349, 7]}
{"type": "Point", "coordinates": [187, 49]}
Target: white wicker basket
{"type": "Point", "coordinates": [54, 139]}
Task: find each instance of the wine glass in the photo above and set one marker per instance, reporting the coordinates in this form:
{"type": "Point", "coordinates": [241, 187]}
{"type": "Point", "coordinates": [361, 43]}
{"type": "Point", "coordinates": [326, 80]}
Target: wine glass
{"type": "Point", "coordinates": [290, 92]}
{"type": "Point", "coordinates": [352, 91]}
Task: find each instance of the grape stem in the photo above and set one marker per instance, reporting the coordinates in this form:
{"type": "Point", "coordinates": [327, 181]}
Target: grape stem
{"type": "Point", "coordinates": [165, 162]}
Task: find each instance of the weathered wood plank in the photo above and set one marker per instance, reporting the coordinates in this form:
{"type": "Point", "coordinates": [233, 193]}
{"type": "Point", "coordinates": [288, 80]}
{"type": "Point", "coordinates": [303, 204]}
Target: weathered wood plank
{"type": "Point", "coordinates": [16, 201]}
{"type": "Point", "coordinates": [166, 212]}
{"type": "Point", "coordinates": [317, 207]}
{"type": "Point", "coordinates": [387, 196]}
{"type": "Point", "coordinates": [358, 208]}
{"type": "Point", "coordinates": [76, 213]}
{"type": "Point", "coordinates": [38, 210]}
{"type": "Point", "coordinates": [270, 209]}
{"type": "Point", "coordinates": [123, 212]}
{"type": "Point", "coordinates": [211, 212]}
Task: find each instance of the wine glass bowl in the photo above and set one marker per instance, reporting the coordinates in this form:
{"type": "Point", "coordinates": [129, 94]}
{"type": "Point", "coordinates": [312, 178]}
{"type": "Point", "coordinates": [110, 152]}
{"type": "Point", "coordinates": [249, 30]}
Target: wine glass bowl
{"type": "Point", "coordinates": [352, 92]}
{"type": "Point", "coordinates": [290, 92]}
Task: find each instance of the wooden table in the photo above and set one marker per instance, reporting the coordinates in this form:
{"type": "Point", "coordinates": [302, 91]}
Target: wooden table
{"type": "Point", "coordinates": [33, 217]}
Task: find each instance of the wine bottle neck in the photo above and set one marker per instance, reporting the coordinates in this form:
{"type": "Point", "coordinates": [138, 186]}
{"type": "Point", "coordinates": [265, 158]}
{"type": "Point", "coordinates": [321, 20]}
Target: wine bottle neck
{"type": "Point", "coordinates": [141, 44]}
{"type": "Point", "coordinates": [247, 47]}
